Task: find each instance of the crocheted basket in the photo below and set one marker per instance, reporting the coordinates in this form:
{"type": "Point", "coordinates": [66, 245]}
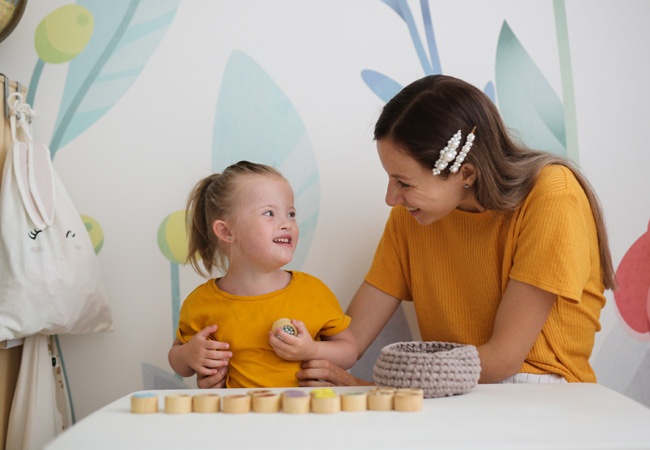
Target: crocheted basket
{"type": "Point", "coordinates": [439, 368]}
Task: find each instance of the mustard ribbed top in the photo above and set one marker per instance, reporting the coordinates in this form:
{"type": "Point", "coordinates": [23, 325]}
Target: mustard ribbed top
{"type": "Point", "coordinates": [456, 270]}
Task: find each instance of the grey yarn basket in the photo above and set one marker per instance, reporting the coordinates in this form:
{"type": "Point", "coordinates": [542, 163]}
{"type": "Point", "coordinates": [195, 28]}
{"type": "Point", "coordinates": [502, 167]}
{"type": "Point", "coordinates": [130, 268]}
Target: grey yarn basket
{"type": "Point", "coordinates": [439, 368]}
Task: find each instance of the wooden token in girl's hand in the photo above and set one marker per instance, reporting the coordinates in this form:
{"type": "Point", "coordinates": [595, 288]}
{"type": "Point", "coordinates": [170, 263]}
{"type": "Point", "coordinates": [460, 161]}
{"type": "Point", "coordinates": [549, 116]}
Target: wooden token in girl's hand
{"type": "Point", "coordinates": [285, 325]}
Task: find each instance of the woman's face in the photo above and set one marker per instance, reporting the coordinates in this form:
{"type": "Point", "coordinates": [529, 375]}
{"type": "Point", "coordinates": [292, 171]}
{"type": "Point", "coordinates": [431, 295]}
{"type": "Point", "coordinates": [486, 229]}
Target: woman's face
{"type": "Point", "coordinates": [427, 197]}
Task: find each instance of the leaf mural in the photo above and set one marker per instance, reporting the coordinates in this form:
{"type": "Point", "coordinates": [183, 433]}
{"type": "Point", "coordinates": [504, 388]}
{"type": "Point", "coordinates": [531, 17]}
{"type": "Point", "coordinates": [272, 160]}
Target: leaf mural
{"type": "Point", "coordinates": [527, 101]}
{"type": "Point", "coordinates": [60, 37]}
{"type": "Point", "coordinates": [489, 91]}
{"type": "Point", "coordinates": [256, 121]}
{"type": "Point", "coordinates": [126, 33]}
{"type": "Point", "coordinates": [385, 88]}
{"type": "Point", "coordinates": [173, 244]}
{"type": "Point", "coordinates": [402, 8]}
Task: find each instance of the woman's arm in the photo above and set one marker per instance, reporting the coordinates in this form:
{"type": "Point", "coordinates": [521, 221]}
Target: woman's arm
{"type": "Point", "coordinates": [370, 310]}
{"type": "Point", "coordinates": [521, 315]}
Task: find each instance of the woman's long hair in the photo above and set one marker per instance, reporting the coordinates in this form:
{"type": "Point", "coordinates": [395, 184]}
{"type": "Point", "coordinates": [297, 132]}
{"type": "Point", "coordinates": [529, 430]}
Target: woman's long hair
{"type": "Point", "coordinates": [422, 117]}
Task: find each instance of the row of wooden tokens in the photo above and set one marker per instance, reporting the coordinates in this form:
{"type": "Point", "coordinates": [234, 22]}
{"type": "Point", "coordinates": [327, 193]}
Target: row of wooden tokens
{"type": "Point", "coordinates": [292, 401]}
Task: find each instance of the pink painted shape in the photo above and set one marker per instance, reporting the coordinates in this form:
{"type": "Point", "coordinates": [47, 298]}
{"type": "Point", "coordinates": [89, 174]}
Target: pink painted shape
{"type": "Point", "coordinates": [633, 296]}
{"type": "Point", "coordinates": [647, 305]}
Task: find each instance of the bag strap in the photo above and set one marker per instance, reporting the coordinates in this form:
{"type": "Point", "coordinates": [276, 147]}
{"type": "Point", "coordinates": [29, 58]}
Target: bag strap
{"type": "Point", "coordinates": [32, 166]}
{"type": "Point", "coordinates": [23, 113]}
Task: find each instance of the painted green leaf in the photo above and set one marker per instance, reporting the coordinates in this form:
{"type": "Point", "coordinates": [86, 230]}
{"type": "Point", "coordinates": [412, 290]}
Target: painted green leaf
{"type": "Point", "coordinates": [126, 34]}
{"type": "Point", "coordinates": [526, 100]}
{"type": "Point", "coordinates": [256, 121]}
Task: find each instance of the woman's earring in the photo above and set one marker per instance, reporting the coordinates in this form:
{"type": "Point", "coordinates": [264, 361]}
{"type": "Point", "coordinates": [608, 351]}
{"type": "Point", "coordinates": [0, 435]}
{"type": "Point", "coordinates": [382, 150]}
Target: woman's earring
{"type": "Point", "coordinates": [467, 186]}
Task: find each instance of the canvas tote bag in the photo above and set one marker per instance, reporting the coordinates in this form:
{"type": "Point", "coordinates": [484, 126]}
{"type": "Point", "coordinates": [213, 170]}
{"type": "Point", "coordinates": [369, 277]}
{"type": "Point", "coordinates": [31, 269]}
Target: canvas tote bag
{"type": "Point", "coordinates": [50, 279]}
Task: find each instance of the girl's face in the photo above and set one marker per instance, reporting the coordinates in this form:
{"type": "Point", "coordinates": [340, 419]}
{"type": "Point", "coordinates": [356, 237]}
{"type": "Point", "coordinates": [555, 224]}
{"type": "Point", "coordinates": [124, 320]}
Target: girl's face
{"type": "Point", "coordinates": [264, 229]}
{"type": "Point", "coordinates": [428, 198]}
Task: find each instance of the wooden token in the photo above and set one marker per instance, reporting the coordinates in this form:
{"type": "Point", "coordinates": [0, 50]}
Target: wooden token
{"type": "Point", "coordinates": [354, 401]}
{"type": "Point", "coordinates": [206, 403]}
{"type": "Point", "coordinates": [255, 392]}
{"type": "Point", "coordinates": [295, 402]}
{"type": "Point", "coordinates": [236, 404]}
{"type": "Point", "coordinates": [286, 326]}
{"type": "Point", "coordinates": [266, 403]}
{"type": "Point", "coordinates": [381, 399]}
{"type": "Point", "coordinates": [325, 401]}
{"type": "Point", "coordinates": [178, 404]}
{"type": "Point", "coordinates": [409, 399]}
{"type": "Point", "coordinates": [144, 403]}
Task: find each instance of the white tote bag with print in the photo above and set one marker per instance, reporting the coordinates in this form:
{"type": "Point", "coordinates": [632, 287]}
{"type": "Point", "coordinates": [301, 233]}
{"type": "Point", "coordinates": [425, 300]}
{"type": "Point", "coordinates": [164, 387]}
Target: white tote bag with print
{"type": "Point", "coordinates": [50, 280]}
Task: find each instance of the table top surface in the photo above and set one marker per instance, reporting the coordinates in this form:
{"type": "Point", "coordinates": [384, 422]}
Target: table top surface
{"type": "Point", "coordinates": [517, 416]}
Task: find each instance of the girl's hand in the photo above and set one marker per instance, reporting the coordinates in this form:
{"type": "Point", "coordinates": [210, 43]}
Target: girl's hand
{"type": "Point", "coordinates": [293, 348]}
{"type": "Point", "coordinates": [205, 355]}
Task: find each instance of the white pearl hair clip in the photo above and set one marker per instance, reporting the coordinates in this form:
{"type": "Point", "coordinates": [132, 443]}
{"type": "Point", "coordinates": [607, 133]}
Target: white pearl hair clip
{"type": "Point", "coordinates": [448, 154]}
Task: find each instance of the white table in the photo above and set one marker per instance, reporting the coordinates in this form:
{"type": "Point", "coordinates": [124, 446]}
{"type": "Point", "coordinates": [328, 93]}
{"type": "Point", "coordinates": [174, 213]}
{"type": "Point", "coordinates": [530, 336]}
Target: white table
{"type": "Point", "coordinates": [520, 416]}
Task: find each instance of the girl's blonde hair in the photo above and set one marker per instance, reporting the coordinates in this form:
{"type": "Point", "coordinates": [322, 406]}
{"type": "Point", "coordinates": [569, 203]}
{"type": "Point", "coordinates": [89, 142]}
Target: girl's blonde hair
{"type": "Point", "coordinates": [421, 118]}
{"type": "Point", "coordinates": [215, 198]}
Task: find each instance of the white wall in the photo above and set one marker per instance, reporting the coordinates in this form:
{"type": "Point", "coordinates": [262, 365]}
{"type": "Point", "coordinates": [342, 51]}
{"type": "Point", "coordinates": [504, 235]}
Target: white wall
{"type": "Point", "coordinates": [136, 164]}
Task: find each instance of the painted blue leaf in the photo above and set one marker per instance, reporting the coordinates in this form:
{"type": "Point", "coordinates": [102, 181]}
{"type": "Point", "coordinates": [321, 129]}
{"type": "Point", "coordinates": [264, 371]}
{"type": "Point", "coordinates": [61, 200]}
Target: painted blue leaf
{"type": "Point", "coordinates": [255, 121]}
{"type": "Point", "coordinates": [436, 67]}
{"type": "Point", "coordinates": [527, 101]}
{"type": "Point", "coordinates": [126, 34]}
{"type": "Point", "coordinates": [395, 6]}
{"type": "Point", "coordinates": [489, 91]}
{"type": "Point", "coordinates": [385, 88]}
{"type": "Point", "coordinates": [402, 8]}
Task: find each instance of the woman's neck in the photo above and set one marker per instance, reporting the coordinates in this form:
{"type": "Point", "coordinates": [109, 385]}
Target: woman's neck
{"type": "Point", "coordinates": [249, 283]}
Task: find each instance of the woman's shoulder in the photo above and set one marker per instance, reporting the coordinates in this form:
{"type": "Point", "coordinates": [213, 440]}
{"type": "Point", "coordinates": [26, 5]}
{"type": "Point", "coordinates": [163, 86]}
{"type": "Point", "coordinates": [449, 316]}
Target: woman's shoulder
{"type": "Point", "coordinates": [555, 185]}
{"type": "Point", "coordinates": [555, 178]}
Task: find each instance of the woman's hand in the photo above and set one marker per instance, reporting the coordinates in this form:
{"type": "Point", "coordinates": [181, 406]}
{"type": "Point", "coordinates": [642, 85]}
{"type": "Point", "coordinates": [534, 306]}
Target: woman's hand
{"type": "Point", "coordinates": [320, 372]}
{"type": "Point", "coordinates": [216, 381]}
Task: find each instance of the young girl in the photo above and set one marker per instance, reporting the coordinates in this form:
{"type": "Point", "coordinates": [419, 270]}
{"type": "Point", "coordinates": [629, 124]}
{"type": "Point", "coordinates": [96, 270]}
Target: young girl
{"type": "Point", "coordinates": [243, 222]}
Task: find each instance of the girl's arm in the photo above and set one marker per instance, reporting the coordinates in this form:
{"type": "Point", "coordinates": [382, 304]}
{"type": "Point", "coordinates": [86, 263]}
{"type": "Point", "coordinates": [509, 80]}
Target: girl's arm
{"type": "Point", "coordinates": [370, 310]}
{"type": "Point", "coordinates": [200, 355]}
{"type": "Point", "coordinates": [339, 348]}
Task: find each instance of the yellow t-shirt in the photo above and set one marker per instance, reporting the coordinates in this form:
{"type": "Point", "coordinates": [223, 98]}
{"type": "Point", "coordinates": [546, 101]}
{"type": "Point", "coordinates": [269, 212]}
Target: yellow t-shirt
{"type": "Point", "coordinates": [456, 271]}
{"type": "Point", "coordinates": [244, 322]}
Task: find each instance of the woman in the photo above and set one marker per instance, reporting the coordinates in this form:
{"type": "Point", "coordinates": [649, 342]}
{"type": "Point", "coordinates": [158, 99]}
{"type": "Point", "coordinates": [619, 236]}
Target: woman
{"type": "Point", "coordinates": [497, 245]}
